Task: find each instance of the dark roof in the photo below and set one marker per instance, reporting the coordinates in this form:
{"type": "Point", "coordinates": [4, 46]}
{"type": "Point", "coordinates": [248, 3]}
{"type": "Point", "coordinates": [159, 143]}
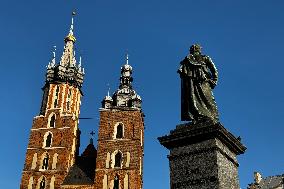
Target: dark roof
{"type": "Point", "coordinates": [76, 176]}
{"type": "Point", "coordinates": [90, 151]}
{"type": "Point", "coordinates": [87, 161]}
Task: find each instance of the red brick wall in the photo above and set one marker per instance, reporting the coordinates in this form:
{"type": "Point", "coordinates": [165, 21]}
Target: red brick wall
{"type": "Point", "coordinates": [131, 142]}
{"type": "Point", "coordinates": [64, 132]}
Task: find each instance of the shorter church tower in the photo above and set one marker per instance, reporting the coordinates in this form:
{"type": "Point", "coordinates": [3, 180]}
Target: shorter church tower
{"type": "Point", "coordinates": [119, 163]}
{"type": "Point", "coordinates": [54, 136]}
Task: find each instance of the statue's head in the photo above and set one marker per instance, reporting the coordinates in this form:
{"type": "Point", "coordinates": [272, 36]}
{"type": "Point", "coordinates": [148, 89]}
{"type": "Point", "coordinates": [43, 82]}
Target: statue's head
{"type": "Point", "coordinates": [195, 49]}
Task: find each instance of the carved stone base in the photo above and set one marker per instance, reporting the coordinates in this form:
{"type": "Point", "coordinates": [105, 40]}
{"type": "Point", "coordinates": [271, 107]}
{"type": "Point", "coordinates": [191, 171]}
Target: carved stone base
{"type": "Point", "coordinates": [203, 156]}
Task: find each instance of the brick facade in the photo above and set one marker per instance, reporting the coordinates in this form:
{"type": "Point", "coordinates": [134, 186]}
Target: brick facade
{"type": "Point", "coordinates": [52, 157]}
{"type": "Point", "coordinates": [64, 141]}
{"type": "Point", "coordinates": [130, 145]}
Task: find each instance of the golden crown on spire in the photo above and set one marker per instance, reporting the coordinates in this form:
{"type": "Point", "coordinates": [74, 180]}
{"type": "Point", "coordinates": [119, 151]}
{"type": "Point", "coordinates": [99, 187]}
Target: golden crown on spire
{"type": "Point", "coordinates": [70, 36]}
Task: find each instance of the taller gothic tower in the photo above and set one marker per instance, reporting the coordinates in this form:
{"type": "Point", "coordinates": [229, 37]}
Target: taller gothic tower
{"type": "Point", "coordinates": [54, 136]}
{"type": "Point", "coordinates": [119, 163]}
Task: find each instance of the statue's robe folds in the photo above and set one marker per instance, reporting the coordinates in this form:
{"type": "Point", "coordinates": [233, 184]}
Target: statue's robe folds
{"type": "Point", "coordinates": [198, 77]}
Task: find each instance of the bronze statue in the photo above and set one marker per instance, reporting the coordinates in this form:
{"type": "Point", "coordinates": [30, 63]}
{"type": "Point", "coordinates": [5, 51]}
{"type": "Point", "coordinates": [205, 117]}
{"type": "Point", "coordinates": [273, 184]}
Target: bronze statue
{"type": "Point", "coordinates": [198, 77]}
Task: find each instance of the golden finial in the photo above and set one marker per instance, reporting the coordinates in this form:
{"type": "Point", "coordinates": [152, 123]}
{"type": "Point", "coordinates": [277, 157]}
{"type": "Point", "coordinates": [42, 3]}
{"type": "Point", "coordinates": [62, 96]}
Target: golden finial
{"type": "Point", "coordinates": [70, 36]}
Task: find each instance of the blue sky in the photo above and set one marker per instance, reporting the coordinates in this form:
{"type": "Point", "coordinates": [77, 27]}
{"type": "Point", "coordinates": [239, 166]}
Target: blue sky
{"type": "Point", "coordinates": [244, 38]}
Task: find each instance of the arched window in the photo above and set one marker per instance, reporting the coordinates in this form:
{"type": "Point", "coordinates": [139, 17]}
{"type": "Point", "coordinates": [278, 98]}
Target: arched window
{"type": "Point", "coordinates": [42, 183]}
{"type": "Point", "coordinates": [52, 121]}
{"type": "Point", "coordinates": [119, 131]}
{"type": "Point", "coordinates": [48, 140]}
{"type": "Point", "coordinates": [116, 182]}
{"type": "Point", "coordinates": [45, 161]}
{"type": "Point", "coordinates": [117, 160]}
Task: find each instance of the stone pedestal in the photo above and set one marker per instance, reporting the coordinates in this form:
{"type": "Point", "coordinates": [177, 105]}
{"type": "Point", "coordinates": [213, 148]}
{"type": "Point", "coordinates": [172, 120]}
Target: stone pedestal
{"type": "Point", "coordinates": [203, 156]}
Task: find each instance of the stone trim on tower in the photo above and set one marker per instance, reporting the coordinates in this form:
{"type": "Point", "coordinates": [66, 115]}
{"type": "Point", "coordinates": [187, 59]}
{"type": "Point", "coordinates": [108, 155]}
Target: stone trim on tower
{"type": "Point", "coordinates": [55, 136]}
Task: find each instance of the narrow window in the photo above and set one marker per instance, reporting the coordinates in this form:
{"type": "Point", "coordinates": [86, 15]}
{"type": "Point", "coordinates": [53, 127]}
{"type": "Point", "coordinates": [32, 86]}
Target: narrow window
{"type": "Point", "coordinates": [119, 131]}
{"type": "Point", "coordinates": [116, 182]}
{"type": "Point", "coordinates": [42, 184]}
{"type": "Point", "coordinates": [45, 162]}
{"type": "Point", "coordinates": [68, 99]}
{"type": "Point", "coordinates": [48, 140]}
{"type": "Point", "coordinates": [117, 158]}
{"type": "Point", "coordinates": [52, 121]}
{"type": "Point", "coordinates": [55, 103]}
{"type": "Point", "coordinates": [56, 96]}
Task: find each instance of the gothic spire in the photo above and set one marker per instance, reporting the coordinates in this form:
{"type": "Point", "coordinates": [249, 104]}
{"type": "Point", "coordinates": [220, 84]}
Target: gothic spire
{"type": "Point", "coordinates": [68, 56]}
{"type": "Point", "coordinates": [68, 70]}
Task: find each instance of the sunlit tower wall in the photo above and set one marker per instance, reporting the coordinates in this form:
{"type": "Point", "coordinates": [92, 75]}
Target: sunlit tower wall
{"type": "Point", "coordinates": [55, 137]}
{"type": "Point", "coordinates": [121, 138]}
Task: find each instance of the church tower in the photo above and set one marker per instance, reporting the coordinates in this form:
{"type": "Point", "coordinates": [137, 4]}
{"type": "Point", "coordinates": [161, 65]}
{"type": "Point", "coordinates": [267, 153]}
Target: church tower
{"type": "Point", "coordinates": [119, 163]}
{"type": "Point", "coordinates": [54, 136]}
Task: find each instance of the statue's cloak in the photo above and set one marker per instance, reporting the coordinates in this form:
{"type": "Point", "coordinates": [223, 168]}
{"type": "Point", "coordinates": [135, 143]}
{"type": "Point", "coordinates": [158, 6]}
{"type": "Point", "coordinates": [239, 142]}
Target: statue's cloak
{"type": "Point", "coordinates": [198, 77]}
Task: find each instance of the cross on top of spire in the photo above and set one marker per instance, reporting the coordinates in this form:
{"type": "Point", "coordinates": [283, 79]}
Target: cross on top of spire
{"type": "Point", "coordinates": [92, 133]}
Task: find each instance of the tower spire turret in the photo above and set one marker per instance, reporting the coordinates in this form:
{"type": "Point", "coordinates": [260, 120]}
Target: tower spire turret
{"type": "Point", "coordinates": [67, 70]}
{"type": "Point", "coordinates": [55, 132]}
{"type": "Point", "coordinates": [52, 63]}
{"type": "Point", "coordinates": [125, 95]}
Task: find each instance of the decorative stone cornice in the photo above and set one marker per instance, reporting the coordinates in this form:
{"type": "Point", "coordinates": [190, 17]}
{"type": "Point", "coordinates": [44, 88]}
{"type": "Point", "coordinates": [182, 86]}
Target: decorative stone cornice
{"type": "Point", "coordinates": [189, 133]}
